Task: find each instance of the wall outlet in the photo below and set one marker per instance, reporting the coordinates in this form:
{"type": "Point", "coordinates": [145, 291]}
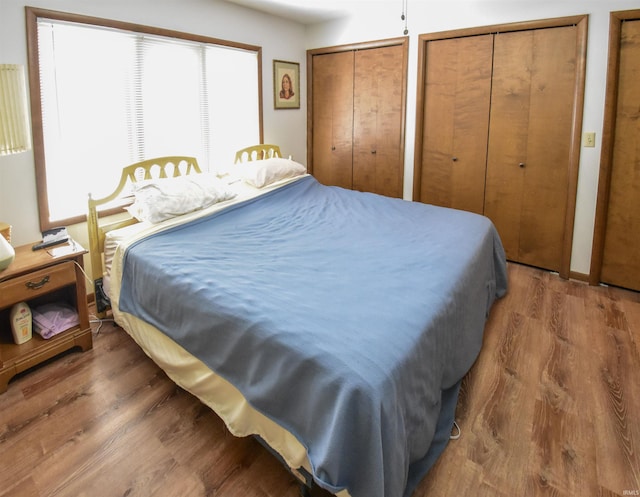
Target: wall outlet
{"type": "Point", "coordinates": [589, 139]}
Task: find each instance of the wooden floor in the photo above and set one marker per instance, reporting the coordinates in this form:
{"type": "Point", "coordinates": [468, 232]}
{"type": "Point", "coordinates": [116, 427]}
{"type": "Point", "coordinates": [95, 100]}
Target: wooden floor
{"type": "Point", "coordinates": [551, 407]}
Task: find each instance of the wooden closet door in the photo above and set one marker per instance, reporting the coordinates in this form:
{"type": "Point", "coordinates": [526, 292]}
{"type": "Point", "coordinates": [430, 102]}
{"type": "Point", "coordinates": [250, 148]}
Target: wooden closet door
{"type": "Point", "coordinates": [620, 262]}
{"type": "Point", "coordinates": [530, 131]}
{"type": "Point", "coordinates": [456, 121]}
{"type": "Point", "coordinates": [377, 121]}
{"type": "Point", "coordinates": [333, 118]}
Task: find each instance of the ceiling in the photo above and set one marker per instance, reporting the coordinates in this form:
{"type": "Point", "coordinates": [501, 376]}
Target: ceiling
{"type": "Point", "coordinates": [302, 11]}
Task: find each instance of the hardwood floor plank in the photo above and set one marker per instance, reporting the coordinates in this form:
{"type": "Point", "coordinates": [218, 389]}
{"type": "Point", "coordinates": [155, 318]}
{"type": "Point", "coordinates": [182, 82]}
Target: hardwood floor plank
{"type": "Point", "coordinates": [617, 405]}
{"type": "Point", "coordinates": [23, 488]}
{"type": "Point", "coordinates": [580, 451]}
{"type": "Point", "coordinates": [614, 332]}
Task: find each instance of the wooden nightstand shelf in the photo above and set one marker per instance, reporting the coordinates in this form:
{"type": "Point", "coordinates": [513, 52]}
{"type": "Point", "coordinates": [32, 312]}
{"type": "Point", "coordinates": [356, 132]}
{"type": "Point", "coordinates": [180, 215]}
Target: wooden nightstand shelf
{"type": "Point", "coordinates": [38, 277]}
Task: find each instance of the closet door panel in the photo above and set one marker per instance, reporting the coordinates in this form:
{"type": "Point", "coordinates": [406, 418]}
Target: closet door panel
{"type": "Point", "coordinates": [544, 200]}
{"type": "Point", "coordinates": [456, 121]}
{"type": "Point", "coordinates": [333, 118]}
{"type": "Point", "coordinates": [509, 126]}
{"type": "Point", "coordinates": [377, 111]}
{"type": "Point", "coordinates": [529, 142]}
{"type": "Point", "coordinates": [621, 264]}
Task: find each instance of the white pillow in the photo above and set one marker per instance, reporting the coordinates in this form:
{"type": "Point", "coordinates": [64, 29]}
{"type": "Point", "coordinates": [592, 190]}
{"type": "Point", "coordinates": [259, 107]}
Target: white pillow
{"type": "Point", "coordinates": [160, 199]}
{"type": "Point", "coordinates": [260, 173]}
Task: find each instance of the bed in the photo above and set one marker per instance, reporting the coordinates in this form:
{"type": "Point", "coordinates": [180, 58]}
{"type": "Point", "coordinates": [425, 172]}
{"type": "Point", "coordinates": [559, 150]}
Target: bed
{"type": "Point", "coordinates": [334, 325]}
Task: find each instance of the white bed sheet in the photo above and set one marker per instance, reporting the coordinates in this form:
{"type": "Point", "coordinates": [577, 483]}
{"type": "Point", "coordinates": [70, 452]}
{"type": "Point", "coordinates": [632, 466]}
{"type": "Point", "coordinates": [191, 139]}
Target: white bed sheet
{"type": "Point", "coordinates": [111, 241]}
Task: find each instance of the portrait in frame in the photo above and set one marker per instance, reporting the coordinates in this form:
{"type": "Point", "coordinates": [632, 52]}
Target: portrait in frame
{"type": "Point", "coordinates": [286, 84]}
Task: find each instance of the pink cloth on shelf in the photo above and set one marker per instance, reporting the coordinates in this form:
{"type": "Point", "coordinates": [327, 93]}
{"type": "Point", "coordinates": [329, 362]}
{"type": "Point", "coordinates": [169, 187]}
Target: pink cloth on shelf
{"type": "Point", "coordinates": [51, 319]}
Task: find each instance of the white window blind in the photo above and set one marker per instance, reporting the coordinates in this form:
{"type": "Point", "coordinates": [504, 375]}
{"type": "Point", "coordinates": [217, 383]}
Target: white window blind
{"type": "Point", "coordinates": [112, 97]}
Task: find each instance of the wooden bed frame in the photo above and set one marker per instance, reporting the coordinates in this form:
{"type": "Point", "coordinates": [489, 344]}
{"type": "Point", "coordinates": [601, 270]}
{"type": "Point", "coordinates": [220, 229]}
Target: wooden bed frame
{"type": "Point", "coordinates": [160, 167]}
{"type": "Point", "coordinates": [257, 152]}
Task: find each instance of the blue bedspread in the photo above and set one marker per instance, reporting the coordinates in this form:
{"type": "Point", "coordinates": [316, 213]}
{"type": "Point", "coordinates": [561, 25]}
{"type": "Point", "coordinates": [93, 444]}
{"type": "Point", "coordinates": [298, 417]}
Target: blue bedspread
{"type": "Point", "coordinates": [341, 315]}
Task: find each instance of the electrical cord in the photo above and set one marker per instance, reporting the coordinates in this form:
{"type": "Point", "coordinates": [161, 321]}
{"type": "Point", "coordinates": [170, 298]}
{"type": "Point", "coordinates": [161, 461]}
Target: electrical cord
{"type": "Point", "coordinates": [458, 431]}
{"type": "Point", "coordinates": [83, 272]}
{"type": "Point", "coordinates": [100, 322]}
{"type": "Point", "coordinates": [94, 319]}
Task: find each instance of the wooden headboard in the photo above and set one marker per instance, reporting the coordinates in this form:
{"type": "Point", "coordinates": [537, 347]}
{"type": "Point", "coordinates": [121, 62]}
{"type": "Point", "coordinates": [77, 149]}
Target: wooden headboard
{"type": "Point", "coordinates": [257, 152]}
{"type": "Point", "coordinates": [160, 167]}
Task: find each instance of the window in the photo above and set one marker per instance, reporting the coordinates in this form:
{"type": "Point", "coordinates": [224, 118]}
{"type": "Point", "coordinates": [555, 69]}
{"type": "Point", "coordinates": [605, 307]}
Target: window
{"type": "Point", "coordinates": [110, 94]}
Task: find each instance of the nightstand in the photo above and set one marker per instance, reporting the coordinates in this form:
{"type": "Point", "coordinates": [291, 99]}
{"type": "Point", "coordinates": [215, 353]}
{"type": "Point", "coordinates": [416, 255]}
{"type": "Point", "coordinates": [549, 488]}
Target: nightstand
{"type": "Point", "coordinates": [37, 277]}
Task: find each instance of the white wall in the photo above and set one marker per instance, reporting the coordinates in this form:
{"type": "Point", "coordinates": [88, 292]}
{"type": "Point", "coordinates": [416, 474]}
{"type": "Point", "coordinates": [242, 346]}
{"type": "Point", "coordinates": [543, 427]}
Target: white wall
{"type": "Point", "coordinates": [279, 39]}
{"type": "Point", "coordinates": [287, 40]}
{"type": "Point", "coordinates": [381, 19]}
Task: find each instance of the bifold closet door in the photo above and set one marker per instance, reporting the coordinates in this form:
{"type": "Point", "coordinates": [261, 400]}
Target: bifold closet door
{"type": "Point", "coordinates": [621, 261]}
{"type": "Point", "coordinates": [333, 118]}
{"type": "Point", "coordinates": [456, 122]}
{"type": "Point", "coordinates": [530, 137]}
{"type": "Point", "coordinates": [377, 121]}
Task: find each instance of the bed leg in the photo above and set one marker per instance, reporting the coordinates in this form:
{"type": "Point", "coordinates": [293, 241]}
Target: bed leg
{"type": "Point", "coordinates": [305, 491]}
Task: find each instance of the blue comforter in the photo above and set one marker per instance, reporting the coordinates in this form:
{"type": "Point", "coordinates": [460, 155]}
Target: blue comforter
{"type": "Point", "coordinates": [339, 314]}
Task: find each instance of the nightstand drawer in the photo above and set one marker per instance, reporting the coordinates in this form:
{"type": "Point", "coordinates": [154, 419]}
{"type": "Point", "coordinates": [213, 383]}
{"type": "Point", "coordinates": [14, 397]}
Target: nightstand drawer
{"type": "Point", "coordinates": [37, 283]}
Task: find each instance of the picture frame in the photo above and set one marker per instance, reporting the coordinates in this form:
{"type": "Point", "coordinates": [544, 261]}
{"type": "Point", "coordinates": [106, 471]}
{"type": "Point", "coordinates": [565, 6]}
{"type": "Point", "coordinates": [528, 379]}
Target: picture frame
{"type": "Point", "coordinates": [286, 78]}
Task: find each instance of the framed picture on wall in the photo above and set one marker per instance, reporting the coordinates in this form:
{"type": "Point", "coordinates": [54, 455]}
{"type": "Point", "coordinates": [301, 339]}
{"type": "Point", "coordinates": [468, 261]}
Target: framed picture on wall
{"type": "Point", "coordinates": [286, 85]}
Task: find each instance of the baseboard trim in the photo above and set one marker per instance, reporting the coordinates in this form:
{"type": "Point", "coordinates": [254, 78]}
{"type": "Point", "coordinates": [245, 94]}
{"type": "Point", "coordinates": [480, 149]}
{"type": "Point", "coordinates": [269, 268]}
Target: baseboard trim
{"type": "Point", "coordinates": [574, 275]}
